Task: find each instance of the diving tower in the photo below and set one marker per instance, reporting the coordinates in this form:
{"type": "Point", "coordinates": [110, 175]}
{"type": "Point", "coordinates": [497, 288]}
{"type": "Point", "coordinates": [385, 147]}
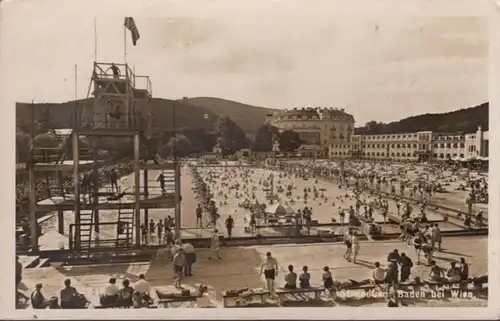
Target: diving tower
{"type": "Point", "coordinates": [120, 108]}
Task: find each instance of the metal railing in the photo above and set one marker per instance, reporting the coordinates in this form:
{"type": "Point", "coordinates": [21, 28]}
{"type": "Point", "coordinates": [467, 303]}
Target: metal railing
{"type": "Point", "coordinates": [143, 82]}
{"type": "Point", "coordinates": [46, 154]}
{"type": "Point", "coordinates": [105, 71]}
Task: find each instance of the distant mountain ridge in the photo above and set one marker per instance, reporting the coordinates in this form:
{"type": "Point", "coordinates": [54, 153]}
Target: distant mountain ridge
{"type": "Point", "coordinates": [465, 120]}
{"type": "Point", "coordinates": [203, 112]}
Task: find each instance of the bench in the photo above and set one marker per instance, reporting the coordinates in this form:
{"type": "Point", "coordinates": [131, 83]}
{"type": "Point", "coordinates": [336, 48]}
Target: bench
{"type": "Point", "coordinates": [165, 299]}
{"type": "Point", "coordinates": [281, 292]}
{"type": "Point", "coordinates": [164, 302]}
{"type": "Point", "coordinates": [248, 294]}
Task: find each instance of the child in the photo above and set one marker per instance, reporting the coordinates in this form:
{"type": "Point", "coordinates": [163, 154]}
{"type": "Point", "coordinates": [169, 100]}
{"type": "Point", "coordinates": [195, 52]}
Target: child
{"type": "Point", "coordinates": [305, 278]}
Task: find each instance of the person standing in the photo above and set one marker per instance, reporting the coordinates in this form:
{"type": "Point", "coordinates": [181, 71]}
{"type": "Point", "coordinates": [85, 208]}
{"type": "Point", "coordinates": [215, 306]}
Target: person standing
{"type": "Point", "coordinates": [270, 269]}
{"type": "Point", "coordinates": [406, 265]}
{"type": "Point", "coordinates": [214, 244]}
{"type": "Point", "coordinates": [151, 229]}
{"type": "Point", "coordinates": [159, 231]}
{"type": "Point", "coordinates": [113, 178]}
{"type": "Point", "coordinates": [199, 212]}
{"type": "Point", "coordinates": [229, 226]}
{"type": "Point", "coordinates": [190, 258]}
{"type": "Point", "coordinates": [438, 236]}
{"type": "Point", "coordinates": [355, 245]}
{"type": "Point", "coordinates": [464, 270]}
{"type": "Point", "coordinates": [178, 264]}
{"type": "Point", "coordinates": [161, 180]}
{"type": "Point", "coordinates": [348, 245]}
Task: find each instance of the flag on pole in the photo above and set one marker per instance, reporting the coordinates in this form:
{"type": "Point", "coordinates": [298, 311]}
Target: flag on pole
{"type": "Point", "coordinates": [130, 25]}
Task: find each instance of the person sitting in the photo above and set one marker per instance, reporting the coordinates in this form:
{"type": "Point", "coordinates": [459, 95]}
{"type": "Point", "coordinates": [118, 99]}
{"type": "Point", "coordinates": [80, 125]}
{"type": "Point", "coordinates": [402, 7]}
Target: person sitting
{"type": "Point", "coordinates": [69, 296]}
{"type": "Point", "coordinates": [290, 279]}
{"type": "Point", "coordinates": [378, 274]}
{"type": "Point", "coordinates": [328, 281]}
{"type": "Point", "coordinates": [125, 294]}
{"type": "Point", "coordinates": [138, 301]}
{"type": "Point", "coordinates": [111, 291]}
{"type": "Point", "coordinates": [436, 273]}
{"type": "Point", "coordinates": [38, 301]}
{"type": "Point", "coordinates": [142, 286]}
{"type": "Point", "coordinates": [305, 278]}
{"type": "Point", "coordinates": [453, 273]}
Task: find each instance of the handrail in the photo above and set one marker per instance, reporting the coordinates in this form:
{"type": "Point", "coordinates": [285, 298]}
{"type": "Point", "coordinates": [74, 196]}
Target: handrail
{"type": "Point", "coordinates": [102, 70]}
{"type": "Point", "coordinates": [147, 85]}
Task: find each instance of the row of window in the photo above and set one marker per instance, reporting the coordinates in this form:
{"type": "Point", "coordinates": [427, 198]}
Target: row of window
{"type": "Point", "coordinates": [380, 137]}
{"type": "Point", "coordinates": [459, 137]}
{"type": "Point", "coordinates": [441, 155]}
{"type": "Point", "coordinates": [472, 148]}
{"type": "Point", "coordinates": [448, 145]}
{"type": "Point", "coordinates": [397, 137]}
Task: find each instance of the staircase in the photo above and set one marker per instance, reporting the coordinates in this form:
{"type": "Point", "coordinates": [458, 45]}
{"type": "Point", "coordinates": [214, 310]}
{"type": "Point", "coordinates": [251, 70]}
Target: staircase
{"type": "Point", "coordinates": [86, 217]}
{"type": "Point", "coordinates": [125, 229]}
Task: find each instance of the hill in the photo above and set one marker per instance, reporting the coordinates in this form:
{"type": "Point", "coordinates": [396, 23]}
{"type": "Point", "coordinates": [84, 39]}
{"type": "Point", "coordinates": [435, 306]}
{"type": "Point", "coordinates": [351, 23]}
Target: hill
{"type": "Point", "coordinates": [248, 117]}
{"type": "Point", "coordinates": [60, 115]}
{"type": "Point", "coordinates": [188, 113]}
{"type": "Point", "coordinates": [464, 120]}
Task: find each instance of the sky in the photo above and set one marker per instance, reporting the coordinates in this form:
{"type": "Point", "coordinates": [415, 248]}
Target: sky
{"type": "Point", "coordinates": [381, 60]}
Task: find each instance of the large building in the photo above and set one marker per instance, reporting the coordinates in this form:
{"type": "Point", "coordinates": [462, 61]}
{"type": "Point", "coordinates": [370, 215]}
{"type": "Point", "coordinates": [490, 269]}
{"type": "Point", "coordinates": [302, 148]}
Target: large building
{"type": "Point", "coordinates": [417, 146]}
{"type": "Point", "coordinates": [318, 128]}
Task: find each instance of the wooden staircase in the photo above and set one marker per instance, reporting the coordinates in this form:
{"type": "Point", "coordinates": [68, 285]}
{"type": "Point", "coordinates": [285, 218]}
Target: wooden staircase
{"type": "Point", "coordinates": [125, 229]}
{"type": "Point", "coordinates": [87, 218]}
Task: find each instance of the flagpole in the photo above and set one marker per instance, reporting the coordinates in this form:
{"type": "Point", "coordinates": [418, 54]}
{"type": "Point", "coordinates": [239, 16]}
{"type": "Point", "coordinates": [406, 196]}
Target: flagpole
{"type": "Point", "coordinates": [95, 39]}
{"type": "Point", "coordinates": [125, 42]}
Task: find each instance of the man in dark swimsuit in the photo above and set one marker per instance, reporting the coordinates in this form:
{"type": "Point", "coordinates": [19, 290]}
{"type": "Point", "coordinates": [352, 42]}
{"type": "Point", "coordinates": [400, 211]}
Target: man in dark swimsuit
{"type": "Point", "coordinates": [113, 179]}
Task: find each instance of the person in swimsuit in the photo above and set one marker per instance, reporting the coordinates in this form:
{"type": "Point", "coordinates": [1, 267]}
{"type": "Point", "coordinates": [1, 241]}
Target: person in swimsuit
{"type": "Point", "coordinates": [436, 273]}
{"type": "Point", "coordinates": [355, 245]}
{"type": "Point", "coordinates": [67, 295]}
{"type": "Point", "coordinates": [417, 244]}
{"type": "Point", "coordinates": [453, 273]}
{"type": "Point", "coordinates": [270, 269]}
{"type": "Point", "coordinates": [328, 281]}
{"type": "Point", "coordinates": [305, 278]}
{"type": "Point", "coordinates": [179, 262]}
{"type": "Point", "coordinates": [348, 246]}
{"type": "Point", "coordinates": [291, 279]}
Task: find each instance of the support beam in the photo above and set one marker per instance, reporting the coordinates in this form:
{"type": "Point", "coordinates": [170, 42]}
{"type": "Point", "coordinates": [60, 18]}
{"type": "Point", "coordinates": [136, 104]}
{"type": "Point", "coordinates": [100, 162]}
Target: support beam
{"type": "Point", "coordinates": [137, 183]}
{"type": "Point", "coordinates": [177, 200]}
{"type": "Point", "coordinates": [60, 222]}
{"type": "Point", "coordinates": [32, 202]}
{"type": "Point", "coordinates": [95, 188]}
{"type": "Point", "coordinates": [146, 194]}
{"type": "Point", "coordinates": [164, 203]}
{"type": "Point", "coordinates": [76, 181]}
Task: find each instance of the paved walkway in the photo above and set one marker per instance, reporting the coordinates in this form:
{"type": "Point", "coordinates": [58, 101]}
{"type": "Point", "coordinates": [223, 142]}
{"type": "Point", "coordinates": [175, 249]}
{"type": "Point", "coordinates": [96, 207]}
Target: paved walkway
{"type": "Point", "coordinates": [239, 267]}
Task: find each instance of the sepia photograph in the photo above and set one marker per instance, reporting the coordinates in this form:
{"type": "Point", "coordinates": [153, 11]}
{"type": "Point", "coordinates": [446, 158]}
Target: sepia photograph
{"type": "Point", "coordinates": [223, 154]}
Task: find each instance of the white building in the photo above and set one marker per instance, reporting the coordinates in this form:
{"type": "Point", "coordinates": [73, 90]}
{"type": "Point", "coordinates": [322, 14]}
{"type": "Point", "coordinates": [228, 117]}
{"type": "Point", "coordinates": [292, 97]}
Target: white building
{"type": "Point", "coordinates": [418, 146]}
{"type": "Point", "coordinates": [317, 127]}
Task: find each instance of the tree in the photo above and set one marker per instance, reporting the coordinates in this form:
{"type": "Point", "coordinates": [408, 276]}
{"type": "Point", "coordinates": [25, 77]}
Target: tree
{"type": "Point", "coordinates": [289, 141]}
{"type": "Point", "coordinates": [230, 136]}
{"type": "Point", "coordinates": [22, 146]}
{"type": "Point", "coordinates": [45, 141]}
{"type": "Point", "coordinates": [265, 137]}
{"type": "Point", "coordinates": [202, 140]}
{"type": "Point", "coordinates": [179, 146]}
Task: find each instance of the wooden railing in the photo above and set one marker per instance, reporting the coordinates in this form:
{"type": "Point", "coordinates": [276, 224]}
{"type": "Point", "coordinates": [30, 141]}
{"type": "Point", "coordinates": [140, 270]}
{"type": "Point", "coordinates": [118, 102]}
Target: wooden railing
{"type": "Point", "coordinates": [103, 71]}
